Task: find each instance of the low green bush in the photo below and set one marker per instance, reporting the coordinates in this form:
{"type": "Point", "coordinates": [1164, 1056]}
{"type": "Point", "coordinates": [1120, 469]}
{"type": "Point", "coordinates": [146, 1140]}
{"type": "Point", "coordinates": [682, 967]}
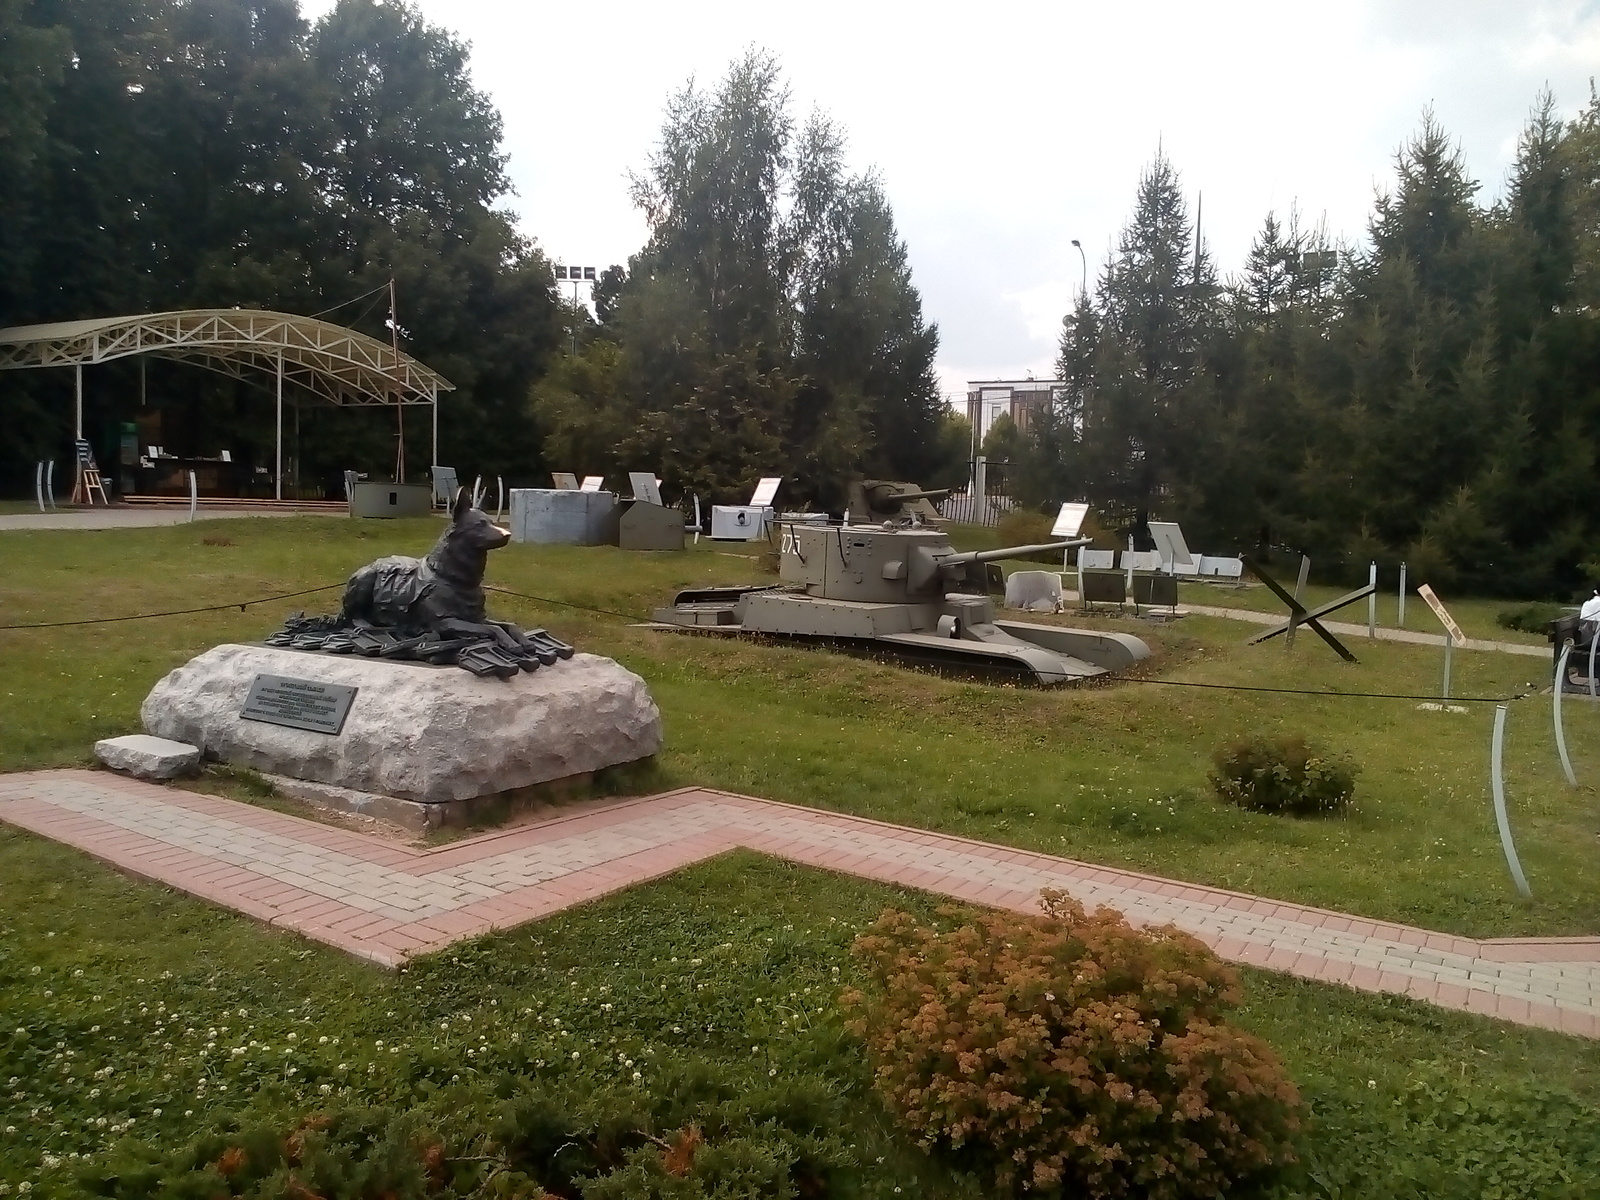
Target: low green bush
{"type": "Point", "coordinates": [1529, 618]}
{"type": "Point", "coordinates": [1282, 774]}
{"type": "Point", "coordinates": [702, 1137]}
{"type": "Point", "coordinates": [1071, 1055]}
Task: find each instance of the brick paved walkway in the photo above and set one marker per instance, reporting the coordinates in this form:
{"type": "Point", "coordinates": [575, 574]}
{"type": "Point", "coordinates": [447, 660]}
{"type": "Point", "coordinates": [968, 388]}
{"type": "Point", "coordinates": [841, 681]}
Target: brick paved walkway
{"type": "Point", "coordinates": [384, 901]}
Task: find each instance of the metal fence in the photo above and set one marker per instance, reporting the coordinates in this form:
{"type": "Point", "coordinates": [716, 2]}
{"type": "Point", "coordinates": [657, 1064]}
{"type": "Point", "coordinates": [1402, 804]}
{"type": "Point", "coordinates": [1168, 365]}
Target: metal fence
{"type": "Point", "coordinates": [985, 499]}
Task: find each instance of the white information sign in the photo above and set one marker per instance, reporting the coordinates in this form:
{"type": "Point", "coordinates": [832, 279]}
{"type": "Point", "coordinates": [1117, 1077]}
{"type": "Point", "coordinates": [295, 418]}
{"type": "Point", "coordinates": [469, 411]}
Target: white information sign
{"type": "Point", "coordinates": [766, 491]}
{"type": "Point", "coordinates": [565, 481]}
{"type": "Point", "coordinates": [645, 487]}
{"type": "Point", "coordinates": [591, 483]}
{"type": "Point", "coordinates": [1170, 545]}
{"type": "Point", "coordinates": [1069, 520]}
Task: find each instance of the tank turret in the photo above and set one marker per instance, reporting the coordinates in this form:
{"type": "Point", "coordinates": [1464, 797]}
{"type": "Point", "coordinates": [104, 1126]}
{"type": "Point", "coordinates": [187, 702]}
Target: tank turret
{"type": "Point", "coordinates": [886, 566]}
{"type": "Point", "coordinates": [874, 500]}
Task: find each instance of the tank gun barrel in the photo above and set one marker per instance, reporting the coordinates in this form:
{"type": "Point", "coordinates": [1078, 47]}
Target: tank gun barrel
{"type": "Point", "coordinates": [928, 494]}
{"type": "Point", "coordinates": [983, 556]}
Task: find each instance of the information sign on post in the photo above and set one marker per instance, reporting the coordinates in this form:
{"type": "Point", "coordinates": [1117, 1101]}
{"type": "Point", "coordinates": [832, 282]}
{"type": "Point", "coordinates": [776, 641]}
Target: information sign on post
{"type": "Point", "coordinates": [1443, 614]}
{"type": "Point", "coordinates": [766, 491]}
{"type": "Point", "coordinates": [1069, 521]}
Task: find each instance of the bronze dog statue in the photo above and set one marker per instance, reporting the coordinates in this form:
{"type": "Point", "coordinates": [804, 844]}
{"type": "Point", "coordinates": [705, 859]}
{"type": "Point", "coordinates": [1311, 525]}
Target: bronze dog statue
{"type": "Point", "coordinates": [427, 593]}
{"type": "Point", "coordinates": [430, 608]}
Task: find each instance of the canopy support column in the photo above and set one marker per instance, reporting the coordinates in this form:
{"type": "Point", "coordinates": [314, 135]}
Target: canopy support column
{"type": "Point", "coordinates": [77, 432]}
{"type": "Point", "coordinates": [277, 473]}
{"type": "Point", "coordinates": [433, 400]}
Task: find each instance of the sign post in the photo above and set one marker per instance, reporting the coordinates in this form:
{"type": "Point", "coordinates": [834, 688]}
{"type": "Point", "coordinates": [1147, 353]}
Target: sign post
{"type": "Point", "coordinates": [1452, 632]}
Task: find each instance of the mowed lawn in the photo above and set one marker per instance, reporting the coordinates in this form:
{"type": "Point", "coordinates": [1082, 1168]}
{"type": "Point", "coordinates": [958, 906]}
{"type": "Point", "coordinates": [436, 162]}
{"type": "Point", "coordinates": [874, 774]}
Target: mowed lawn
{"type": "Point", "coordinates": [1114, 773]}
{"type": "Point", "coordinates": [131, 1012]}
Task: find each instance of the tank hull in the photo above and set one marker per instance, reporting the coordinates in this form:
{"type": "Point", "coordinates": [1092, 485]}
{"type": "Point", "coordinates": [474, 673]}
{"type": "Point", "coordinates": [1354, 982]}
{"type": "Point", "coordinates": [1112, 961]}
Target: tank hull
{"type": "Point", "coordinates": [957, 633]}
{"type": "Point", "coordinates": [903, 592]}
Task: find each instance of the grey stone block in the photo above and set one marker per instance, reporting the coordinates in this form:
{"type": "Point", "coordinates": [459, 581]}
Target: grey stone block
{"type": "Point", "coordinates": [415, 732]}
{"type": "Point", "coordinates": [146, 757]}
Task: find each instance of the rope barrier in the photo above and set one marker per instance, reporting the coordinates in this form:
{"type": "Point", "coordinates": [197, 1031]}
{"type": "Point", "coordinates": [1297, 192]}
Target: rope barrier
{"type": "Point", "coordinates": [241, 605]}
{"type": "Point", "coordinates": [611, 612]}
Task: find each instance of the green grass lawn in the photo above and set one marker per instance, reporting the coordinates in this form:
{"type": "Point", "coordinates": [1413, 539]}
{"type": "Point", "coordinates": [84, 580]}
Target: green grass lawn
{"type": "Point", "coordinates": [1476, 616]}
{"type": "Point", "coordinates": [1409, 1100]}
{"type": "Point", "coordinates": [1114, 774]}
{"type": "Point", "coordinates": [132, 1012]}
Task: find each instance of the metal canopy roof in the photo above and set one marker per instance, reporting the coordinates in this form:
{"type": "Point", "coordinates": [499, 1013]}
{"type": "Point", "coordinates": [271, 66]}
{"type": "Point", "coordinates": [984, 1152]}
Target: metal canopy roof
{"type": "Point", "coordinates": [335, 363]}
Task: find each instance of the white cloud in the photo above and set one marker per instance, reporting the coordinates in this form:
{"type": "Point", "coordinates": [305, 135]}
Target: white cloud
{"type": "Point", "coordinates": [1002, 133]}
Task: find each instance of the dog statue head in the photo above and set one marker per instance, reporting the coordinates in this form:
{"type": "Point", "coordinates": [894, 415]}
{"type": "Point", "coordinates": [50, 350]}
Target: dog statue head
{"type": "Point", "coordinates": [463, 548]}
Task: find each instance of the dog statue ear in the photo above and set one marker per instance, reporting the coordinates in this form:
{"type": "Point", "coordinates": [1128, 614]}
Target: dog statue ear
{"type": "Point", "coordinates": [463, 504]}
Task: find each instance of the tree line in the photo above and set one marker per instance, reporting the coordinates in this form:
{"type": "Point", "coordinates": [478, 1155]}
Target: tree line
{"type": "Point", "coordinates": [169, 154]}
{"type": "Point", "coordinates": [769, 324]}
{"type": "Point", "coordinates": [161, 155]}
{"type": "Point", "coordinates": [1430, 396]}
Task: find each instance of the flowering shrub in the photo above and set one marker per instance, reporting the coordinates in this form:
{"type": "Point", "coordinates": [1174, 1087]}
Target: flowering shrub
{"type": "Point", "coordinates": [1282, 774]}
{"type": "Point", "coordinates": [1071, 1053]}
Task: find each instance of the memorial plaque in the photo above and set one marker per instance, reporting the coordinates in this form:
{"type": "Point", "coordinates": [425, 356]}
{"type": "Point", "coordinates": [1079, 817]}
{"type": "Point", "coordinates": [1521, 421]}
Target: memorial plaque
{"type": "Point", "coordinates": [298, 703]}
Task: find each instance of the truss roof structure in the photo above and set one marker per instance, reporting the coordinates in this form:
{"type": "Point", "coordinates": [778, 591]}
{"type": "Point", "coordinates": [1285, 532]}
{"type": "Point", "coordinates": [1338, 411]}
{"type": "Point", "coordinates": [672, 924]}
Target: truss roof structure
{"type": "Point", "coordinates": [333, 362]}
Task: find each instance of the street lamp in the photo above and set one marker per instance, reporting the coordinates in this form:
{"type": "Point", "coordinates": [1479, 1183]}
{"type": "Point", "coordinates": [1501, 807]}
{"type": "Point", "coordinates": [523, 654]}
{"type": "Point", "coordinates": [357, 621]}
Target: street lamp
{"type": "Point", "coordinates": [1085, 259]}
{"type": "Point", "coordinates": [577, 275]}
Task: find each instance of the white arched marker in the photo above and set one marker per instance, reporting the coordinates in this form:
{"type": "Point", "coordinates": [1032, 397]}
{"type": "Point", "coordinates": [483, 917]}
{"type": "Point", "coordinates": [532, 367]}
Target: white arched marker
{"type": "Point", "coordinates": [1496, 764]}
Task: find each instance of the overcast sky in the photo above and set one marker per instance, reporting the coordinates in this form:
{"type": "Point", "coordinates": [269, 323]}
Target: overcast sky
{"type": "Point", "coordinates": [1004, 131]}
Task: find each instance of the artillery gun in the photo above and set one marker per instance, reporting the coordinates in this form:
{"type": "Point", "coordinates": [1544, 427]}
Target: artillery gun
{"type": "Point", "coordinates": [905, 592]}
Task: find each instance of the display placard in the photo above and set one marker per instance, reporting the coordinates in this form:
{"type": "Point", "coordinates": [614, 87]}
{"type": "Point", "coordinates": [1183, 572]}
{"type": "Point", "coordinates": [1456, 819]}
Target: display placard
{"type": "Point", "coordinates": [1069, 520]}
{"type": "Point", "coordinates": [298, 703]}
{"type": "Point", "coordinates": [1439, 611]}
{"type": "Point", "coordinates": [645, 487]}
{"type": "Point", "coordinates": [1170, 545]}
{"type": "Point", "coordinates": [766, 491]}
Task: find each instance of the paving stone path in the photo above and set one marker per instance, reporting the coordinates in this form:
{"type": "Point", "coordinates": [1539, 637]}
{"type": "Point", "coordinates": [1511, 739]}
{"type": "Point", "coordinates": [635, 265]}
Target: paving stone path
{"type": "Point", "coordinates": [385, 902]}
{"type": "Point", "coordinates": [126, 518]}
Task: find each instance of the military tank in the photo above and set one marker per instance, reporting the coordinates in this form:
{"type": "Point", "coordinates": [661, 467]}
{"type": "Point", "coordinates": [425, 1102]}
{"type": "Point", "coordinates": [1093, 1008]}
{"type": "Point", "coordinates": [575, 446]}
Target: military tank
{"type": "Point", "coordinates": [902, 591]}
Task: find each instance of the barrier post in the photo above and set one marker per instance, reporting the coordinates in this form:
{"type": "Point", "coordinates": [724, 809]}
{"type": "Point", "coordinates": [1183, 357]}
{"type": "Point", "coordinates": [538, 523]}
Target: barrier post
{"type": "Point", "coordinates": [1497, 783]}
{"type": "Point", "coordinates": [1372, 603]}
{"type": "Point", "coordinates": [1555, 714]}
{"type": "Point", "coordinates": [1449, 645]}
{"type": "Point", "coordinates": [1400, 620]}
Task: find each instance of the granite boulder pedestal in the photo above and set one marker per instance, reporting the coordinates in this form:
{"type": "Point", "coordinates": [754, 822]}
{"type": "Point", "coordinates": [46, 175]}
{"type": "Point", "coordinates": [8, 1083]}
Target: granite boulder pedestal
{"type": "Point", "coordinates": [420, 745]}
